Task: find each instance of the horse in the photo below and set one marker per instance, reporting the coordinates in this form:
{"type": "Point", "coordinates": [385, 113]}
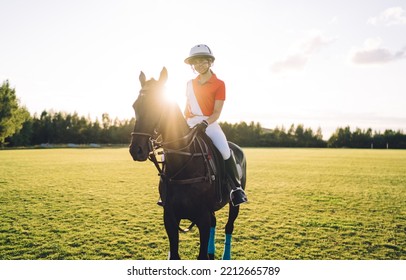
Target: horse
{"type": "Point", "coordinates": [193, 183]}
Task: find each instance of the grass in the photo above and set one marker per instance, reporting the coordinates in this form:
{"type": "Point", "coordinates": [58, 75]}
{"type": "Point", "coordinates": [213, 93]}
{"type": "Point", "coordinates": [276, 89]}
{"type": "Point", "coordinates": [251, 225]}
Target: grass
{"type": "Point", "coordinates": [304, 204]}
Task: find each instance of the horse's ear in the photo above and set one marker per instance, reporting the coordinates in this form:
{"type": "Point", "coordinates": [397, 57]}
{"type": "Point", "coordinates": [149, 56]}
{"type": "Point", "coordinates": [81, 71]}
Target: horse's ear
{"type": "Point", "coordinates": [142, 78]}
{"type": "Point", "coordinates": [163, 76]}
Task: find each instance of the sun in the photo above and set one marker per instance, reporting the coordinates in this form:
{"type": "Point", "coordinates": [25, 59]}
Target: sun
{"type": "Point", "coordinates": [175, 93]}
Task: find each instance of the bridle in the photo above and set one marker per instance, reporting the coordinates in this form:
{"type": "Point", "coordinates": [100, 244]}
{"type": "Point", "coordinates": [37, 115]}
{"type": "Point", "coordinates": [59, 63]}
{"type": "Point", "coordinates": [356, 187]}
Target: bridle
{"type": "Point", "coordinates": [153, 138]}
{"type": "Point", "coordinates": [155, 143]}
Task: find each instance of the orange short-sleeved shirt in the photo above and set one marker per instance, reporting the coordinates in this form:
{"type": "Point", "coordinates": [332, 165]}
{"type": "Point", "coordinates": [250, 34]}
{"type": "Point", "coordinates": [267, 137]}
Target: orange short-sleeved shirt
{"type": "Point", "coordinates": [206, 94]}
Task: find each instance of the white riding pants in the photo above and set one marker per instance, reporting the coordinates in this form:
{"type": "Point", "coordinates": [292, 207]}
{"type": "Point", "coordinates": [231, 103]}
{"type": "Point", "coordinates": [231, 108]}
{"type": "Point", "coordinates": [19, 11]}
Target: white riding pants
{"type": "Point", "coordinates": [215, 133]}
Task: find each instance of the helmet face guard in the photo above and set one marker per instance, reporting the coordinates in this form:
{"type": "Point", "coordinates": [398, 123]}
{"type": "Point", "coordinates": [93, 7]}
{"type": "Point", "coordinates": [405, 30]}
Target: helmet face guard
{"type": "Point", "coordinates": [199, 51]}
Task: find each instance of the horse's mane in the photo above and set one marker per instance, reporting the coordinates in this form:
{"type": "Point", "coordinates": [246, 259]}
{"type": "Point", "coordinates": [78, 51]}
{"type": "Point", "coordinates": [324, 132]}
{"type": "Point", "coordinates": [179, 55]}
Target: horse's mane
{"type": "Point", "coordinates": [176, 125]}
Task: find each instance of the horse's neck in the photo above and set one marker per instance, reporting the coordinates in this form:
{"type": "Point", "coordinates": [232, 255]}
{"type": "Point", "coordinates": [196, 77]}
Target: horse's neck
{"type": "Point", "coordinates": [175, 126]}
{"type": "Point", "coordinates": [176, 137]}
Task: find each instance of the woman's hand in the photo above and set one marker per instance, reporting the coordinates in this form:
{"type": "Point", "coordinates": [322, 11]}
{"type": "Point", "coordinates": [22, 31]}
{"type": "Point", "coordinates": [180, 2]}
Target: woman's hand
{"type": "Point", "coordinates": [201, 127]}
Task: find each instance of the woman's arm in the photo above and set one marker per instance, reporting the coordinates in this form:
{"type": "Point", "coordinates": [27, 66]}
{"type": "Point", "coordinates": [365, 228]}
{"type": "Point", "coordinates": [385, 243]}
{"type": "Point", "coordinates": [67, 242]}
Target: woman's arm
{"type": "Point", "coordinates": [186, 112]}
{"type": "Point", "coordinates": [218, 107]}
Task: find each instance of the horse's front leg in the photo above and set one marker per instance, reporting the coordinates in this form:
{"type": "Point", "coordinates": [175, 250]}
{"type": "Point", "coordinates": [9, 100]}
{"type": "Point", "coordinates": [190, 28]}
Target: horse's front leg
{"type": "Point", "coordinates": [204, 230]}
{"type": "Point", "coordinates": [212, 246]}
{"type": "Point", "coordinates": [171, 227]}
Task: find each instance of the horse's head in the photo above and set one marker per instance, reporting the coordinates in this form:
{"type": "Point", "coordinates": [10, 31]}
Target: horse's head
{"type": "Point", "coordinates": [148, 113]}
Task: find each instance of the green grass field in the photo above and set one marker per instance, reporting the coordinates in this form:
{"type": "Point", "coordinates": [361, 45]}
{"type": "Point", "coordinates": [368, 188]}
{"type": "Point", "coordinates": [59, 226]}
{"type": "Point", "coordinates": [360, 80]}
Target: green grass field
{"type": "Point", "coordinates": [304, 204]}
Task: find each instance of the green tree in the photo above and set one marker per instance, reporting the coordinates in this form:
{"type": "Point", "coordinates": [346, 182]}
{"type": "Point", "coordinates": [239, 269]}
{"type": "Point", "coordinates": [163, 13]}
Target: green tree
{"type": "Point", "coordinates": [23, 137]}
{"type": "Point", "coordinates": [341, 138]}
{"type": "Point", "coordinates": [12, 115]}
{"type": "Point", "coordinates": [361, 138]}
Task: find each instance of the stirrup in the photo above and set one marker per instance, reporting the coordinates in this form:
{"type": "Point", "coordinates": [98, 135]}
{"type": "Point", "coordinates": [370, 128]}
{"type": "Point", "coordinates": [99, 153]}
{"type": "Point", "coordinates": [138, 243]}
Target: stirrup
{"type": "Point", "coordinates": [160, 203]}
{"type": "Point", "coordinates": [238, 196]}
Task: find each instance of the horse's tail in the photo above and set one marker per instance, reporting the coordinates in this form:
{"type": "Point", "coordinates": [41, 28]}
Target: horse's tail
{"type": "Point", "coordinates": [186, 229]}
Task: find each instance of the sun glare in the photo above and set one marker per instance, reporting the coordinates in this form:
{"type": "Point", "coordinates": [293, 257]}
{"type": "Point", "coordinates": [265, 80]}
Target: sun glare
{"type": "Point", "coordinates": [175, 93]}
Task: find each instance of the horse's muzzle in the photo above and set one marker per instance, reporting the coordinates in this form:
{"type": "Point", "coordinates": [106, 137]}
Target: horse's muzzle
{"type": "Point", "coordinates": [138, 153]}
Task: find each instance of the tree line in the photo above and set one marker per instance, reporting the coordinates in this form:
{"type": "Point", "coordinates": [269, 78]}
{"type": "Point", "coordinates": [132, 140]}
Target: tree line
{"type": "Point", "coordinates": [389, 139]}
{"type": "Point", "coordinates": [253, 135]}
{"type": "Point", "coordinates": [62, 128]}
{"type": "Point", "coordinates": [19, 128]}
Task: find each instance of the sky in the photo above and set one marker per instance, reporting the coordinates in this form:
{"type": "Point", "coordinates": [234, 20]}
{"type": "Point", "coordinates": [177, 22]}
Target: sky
{"type": "Point", "coordinates": [326, 64]}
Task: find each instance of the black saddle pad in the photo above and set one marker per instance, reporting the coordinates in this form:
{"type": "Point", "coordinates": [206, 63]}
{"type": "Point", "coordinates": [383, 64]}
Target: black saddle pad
{"type": "Point", "coordinates": [215, 166]}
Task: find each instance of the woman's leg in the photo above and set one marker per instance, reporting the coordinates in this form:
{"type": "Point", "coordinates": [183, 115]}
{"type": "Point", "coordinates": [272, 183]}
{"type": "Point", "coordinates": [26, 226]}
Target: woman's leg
{"type": "Point", "coordinates": [237, 194]}
{"type": "Point", "coordinates": [219, 139]}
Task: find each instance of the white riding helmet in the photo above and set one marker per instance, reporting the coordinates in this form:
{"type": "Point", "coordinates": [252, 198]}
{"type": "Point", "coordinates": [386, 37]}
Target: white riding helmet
{"type": "Point", "coordinates": [201, 50]}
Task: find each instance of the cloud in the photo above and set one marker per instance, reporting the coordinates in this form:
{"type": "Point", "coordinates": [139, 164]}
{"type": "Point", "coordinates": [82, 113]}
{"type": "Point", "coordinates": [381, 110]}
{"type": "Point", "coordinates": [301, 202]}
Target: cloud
{"type": "Point", "coordinates": [316, 43]}
{"type": "Point", "coordinates": [391, 16]}
{"type": "Point", "coordinates": [302, 53]}
{"type": "Point", "coordinates": [292, 62]}
{"type": "Point", "coordinates": [373, 53]}
{"type": "Point", "coordinates": [377, 56]}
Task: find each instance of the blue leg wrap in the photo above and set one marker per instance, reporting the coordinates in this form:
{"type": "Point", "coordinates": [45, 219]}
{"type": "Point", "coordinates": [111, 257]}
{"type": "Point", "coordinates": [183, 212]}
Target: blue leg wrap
{"type": "Point", "coordinates": [212, 248]}
{"type": "Point", "coordinates": [227, 248]}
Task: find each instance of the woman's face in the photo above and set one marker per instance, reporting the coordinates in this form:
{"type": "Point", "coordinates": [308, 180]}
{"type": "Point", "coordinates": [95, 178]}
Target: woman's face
{"type": "Point", "coordinates": [201, 65]}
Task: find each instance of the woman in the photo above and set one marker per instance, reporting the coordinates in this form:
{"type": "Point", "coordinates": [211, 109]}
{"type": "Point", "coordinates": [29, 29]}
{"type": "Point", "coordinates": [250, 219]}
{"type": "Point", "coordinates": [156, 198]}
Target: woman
{"type": "Point", "coordinates": [205, 99]}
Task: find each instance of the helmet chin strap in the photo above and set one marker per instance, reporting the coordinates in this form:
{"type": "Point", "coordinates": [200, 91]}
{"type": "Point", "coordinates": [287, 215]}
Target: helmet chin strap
{"type": "Point", "coordinates": [204, 73]}
{"type": "Point", "coordinates": [208, 69]}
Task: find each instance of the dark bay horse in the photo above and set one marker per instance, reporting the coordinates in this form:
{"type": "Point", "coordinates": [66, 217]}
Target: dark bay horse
{"type": "Point", "coordinates": [187, 184]}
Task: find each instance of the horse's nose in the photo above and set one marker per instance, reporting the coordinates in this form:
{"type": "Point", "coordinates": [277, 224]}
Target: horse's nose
{"type": "Point", "coordinates": [134, 151]}
{"type": "Point", "coordinates": [137, 152]}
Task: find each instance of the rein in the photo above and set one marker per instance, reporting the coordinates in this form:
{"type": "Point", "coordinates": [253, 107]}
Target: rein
{"type": "Point", "coordinates": [154, 145]}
